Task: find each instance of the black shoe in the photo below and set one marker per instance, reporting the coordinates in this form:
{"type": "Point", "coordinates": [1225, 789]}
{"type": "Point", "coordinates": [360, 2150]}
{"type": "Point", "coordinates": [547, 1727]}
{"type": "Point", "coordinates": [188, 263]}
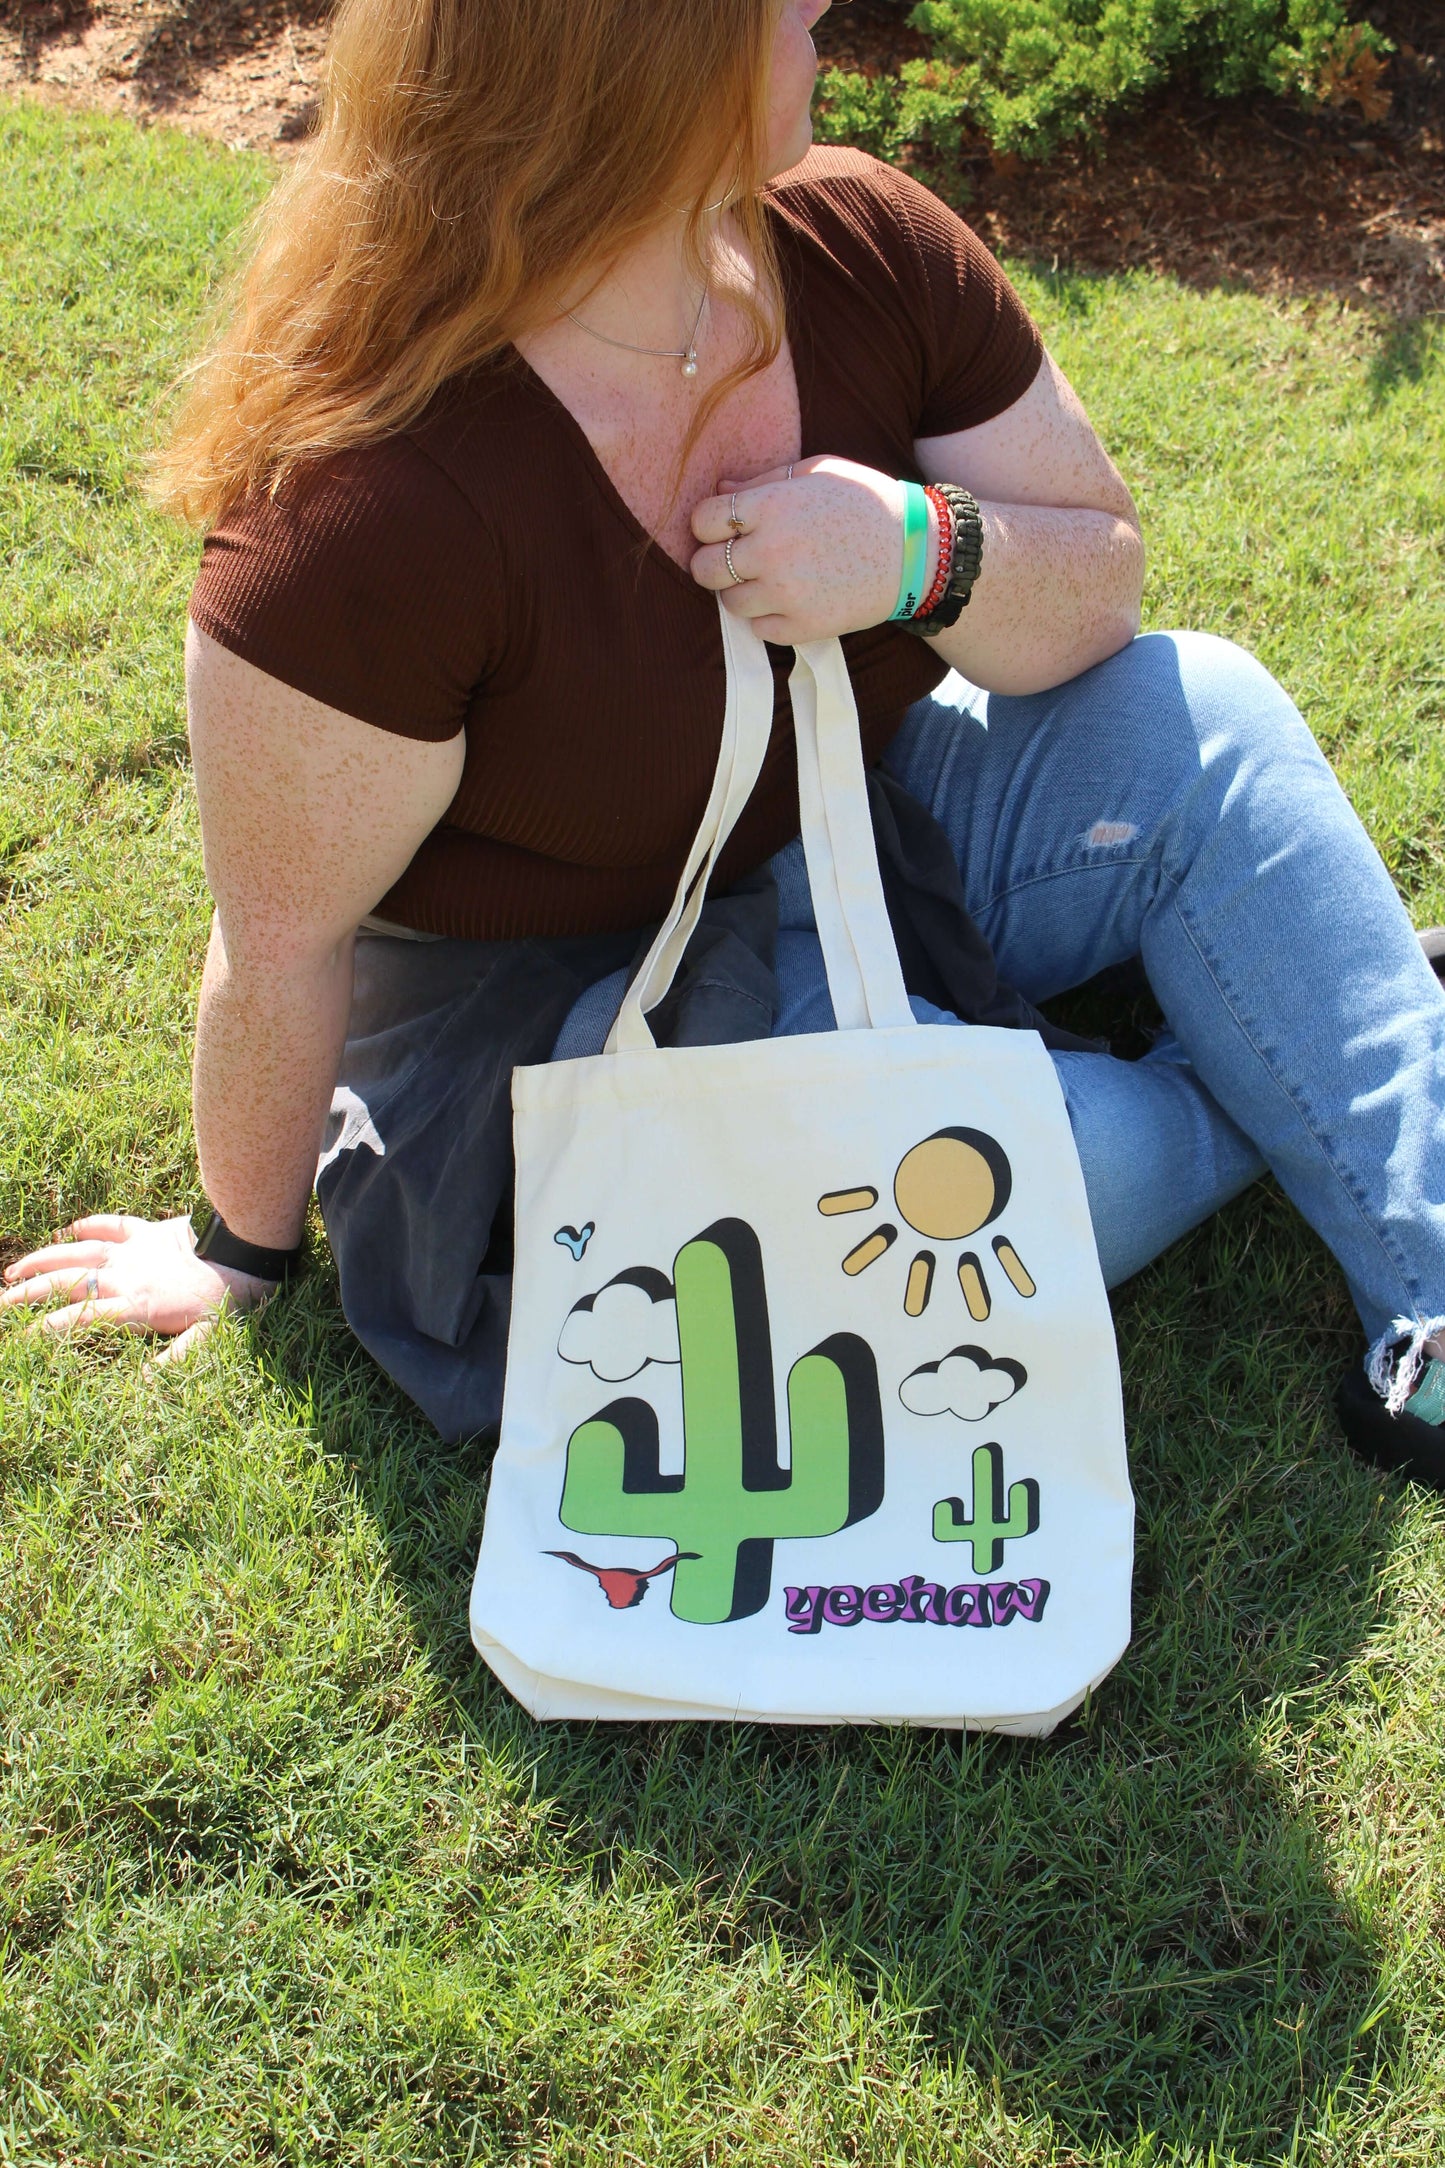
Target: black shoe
{"type": "Point", "coordinates": [1400, 1441]}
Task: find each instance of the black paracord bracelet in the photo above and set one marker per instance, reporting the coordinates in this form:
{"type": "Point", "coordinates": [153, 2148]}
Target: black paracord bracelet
{"type": "Point", "coordinates": [965, 568]}
{"type": "Point", "coordinates": [219, 1246]}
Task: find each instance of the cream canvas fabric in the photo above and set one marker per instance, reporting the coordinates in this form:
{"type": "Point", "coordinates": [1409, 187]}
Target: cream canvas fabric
{"type": "Point", "coordinates": [812, 1409]}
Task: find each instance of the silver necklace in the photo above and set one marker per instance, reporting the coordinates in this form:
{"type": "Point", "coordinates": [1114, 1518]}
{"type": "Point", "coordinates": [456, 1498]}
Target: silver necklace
{"type": "Point", "coordinates": [687, 355]}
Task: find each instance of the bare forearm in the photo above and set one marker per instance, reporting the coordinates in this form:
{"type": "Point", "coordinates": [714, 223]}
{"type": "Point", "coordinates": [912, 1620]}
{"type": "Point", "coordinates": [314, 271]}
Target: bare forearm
{"type": "Point", "coordinates": [1059, 591]}
{"type": "Point", "coordinates": [269, 1036]}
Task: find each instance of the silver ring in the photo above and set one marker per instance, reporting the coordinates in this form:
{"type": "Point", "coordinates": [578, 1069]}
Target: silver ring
{"type": "Point", "coordinates": [791, 464]}
{"type": "Point", "coordinates": [733, 521]}
{"type": "Point", "coordinates": [92, 1286]}
{"type": "Point", "coordinates": [738, 580]}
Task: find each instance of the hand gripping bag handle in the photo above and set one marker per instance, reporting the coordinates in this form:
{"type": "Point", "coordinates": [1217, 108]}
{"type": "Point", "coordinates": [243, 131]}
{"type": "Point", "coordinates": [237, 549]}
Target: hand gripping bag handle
{"type": "Point", "coordinates": [864, 976]}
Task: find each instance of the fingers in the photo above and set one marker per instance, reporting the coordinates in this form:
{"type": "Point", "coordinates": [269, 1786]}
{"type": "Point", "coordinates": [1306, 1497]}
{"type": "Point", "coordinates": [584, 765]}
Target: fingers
{"type": "Point", "coordinates": [184, 1345]}
{"type": "Point", "coordinates": [712, 518]}
{"type": "Point", "coordinates": [737, 507]}
{"type": "Point", "coordinates": [748, 595]}
{"type": "Point", "coordinates": [788, 473]}
{"type": "Point", "coordinates": [45, 1286]}
{"type": "Point", "coordinates": [58, 1254]}
{"type": "Point", "coordinates": [79, 1290]}
{"type": "Point", "coordinates": [754, 594]}
{"type": "Point", "coordinates": [781, 631]}
{"type": "Point", "coordinates": [710, 565]}
{"type": "Point", "coordinates": [105, 1310]}
{"type": "Point", "coordinates": [83, 1244]}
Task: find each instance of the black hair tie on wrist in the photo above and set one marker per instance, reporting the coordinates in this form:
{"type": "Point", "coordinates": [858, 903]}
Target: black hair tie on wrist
{"type": "Point", "coordinates": [219, 1246]}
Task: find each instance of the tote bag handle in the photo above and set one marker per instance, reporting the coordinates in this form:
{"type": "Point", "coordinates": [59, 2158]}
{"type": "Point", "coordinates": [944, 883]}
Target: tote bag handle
{"type": "Point", "coordinates": [865, 979]}
{"type": "Point", "coordinates": [747, 725]}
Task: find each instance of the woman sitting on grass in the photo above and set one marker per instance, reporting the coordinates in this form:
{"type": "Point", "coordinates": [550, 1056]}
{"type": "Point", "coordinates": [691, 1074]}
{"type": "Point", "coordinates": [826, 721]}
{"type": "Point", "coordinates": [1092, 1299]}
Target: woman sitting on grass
{"type": "Point", "coordinates": [557, 331]}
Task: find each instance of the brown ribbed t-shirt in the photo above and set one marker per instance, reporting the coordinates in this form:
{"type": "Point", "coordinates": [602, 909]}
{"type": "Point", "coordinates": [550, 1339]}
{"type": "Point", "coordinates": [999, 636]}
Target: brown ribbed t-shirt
{"type": "Point", "coordinates": [422, 583]}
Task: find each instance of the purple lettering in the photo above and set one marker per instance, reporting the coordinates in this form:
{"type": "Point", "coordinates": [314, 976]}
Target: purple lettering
{"type": "Point", "coordinates": [883, 1603]}
{"type": "Point", "coordinates": [921, 1600]}
{"type": "Point", "coordinates": [843, 1606]}
{"type": "Point", "coordinates": [803, 1609]}
{"type": "Point", "coordinates": [1027, 1598]}
{"type": "Point", "coordinates": [965, 1607]}
{"type": "Point", "coordinates": [914, 1600]}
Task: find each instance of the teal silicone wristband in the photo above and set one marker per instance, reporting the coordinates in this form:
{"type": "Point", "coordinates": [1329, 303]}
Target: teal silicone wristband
{"type": "Point", "coordinates": [915, 551]}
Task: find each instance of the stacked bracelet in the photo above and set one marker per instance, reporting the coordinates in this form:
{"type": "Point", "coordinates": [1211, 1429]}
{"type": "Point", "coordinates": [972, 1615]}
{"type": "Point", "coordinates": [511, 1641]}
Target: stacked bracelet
{"type": "Point", "coordinates": [915, 551]}
{"type": "Point", "coordinates": [965, 560]}
{"type": "Point", "coordinates": [943, 513]}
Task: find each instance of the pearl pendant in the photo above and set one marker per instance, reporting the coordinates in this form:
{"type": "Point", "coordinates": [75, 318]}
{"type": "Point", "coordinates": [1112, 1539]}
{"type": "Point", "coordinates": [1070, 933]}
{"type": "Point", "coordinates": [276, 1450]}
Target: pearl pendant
{"type": "Point", "coordinates": [689, 367]}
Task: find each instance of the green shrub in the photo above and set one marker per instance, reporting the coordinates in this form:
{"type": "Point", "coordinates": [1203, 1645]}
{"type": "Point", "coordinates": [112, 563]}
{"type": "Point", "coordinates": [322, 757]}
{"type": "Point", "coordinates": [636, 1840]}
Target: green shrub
{"type": "Point", "coordinates": [1028, 74]}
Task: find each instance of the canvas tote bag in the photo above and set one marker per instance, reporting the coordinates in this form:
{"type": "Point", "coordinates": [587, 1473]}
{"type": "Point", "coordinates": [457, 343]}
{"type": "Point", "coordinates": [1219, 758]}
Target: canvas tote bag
{"type": "Point", "coordinates": [812, 1408]}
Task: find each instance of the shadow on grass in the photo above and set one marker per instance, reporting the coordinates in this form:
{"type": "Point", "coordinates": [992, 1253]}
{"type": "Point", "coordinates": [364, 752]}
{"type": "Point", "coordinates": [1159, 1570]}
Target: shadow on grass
{"type": "Point", "coordinates": [1130, 1927]}
{"type": "Point", "coordinates": [1405, 343]}
{"type": "Point", "coordinates": [1406, 348]}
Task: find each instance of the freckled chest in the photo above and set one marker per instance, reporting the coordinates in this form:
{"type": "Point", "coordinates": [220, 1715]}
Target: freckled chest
{"type": "Point", "coordinates": [637, 430]}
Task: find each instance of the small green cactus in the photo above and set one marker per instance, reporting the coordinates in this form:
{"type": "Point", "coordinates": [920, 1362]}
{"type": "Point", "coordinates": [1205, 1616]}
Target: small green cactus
{"type": "Point", "coordinates": [733, 1500]}
{"type": "Point", "coordinates": [989, 1527]}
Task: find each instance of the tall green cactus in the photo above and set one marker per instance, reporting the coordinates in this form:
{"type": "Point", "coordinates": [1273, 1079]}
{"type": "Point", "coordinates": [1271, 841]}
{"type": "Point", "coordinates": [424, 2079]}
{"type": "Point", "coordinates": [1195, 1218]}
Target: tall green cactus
{"type": "Point", "coordinates": [733, 1500]}
{"type": "Point", "coordinates": [989, 1527]}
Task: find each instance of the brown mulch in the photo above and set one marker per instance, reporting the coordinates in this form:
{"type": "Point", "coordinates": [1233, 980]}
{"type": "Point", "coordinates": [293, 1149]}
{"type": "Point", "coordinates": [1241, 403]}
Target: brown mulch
{"type": "Point", "coordinates": [1257, 192]}
{"type": "Point", "coordinates": [244, 71]}
{"type": "Point", "coordinates": [1245, 194]}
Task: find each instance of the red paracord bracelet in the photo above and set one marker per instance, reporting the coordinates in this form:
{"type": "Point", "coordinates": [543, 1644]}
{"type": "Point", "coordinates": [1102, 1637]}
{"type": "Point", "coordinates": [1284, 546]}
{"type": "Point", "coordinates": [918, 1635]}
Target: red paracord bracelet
{"type": "Point", "coordinates": [944, 515]}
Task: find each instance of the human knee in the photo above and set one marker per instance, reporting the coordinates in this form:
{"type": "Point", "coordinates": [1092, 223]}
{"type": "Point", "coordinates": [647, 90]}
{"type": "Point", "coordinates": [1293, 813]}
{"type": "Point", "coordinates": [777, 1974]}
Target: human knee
{"type": "Point", "coordinates": [1220, 734]}
{"type": "Point", "coordinates": [1207, 733]}
{"type": "Point", "coordinates": [1164, 677]}
{"type": "Point", "coordinates": [1234, 706]}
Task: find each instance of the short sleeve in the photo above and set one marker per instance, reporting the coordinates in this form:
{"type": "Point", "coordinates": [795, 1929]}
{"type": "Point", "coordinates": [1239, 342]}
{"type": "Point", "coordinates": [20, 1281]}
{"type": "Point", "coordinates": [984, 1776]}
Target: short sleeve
{"type": "Point", "coordinates": [947, 314]}
{"type": "Point", "coordinates": [366, 583]}
{"type": "Point", "coordinates": [983, 349]}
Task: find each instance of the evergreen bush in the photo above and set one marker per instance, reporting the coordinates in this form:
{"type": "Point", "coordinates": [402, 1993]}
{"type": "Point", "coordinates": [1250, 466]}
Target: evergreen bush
{"type": "Point", "coordinates": [1027, 75]}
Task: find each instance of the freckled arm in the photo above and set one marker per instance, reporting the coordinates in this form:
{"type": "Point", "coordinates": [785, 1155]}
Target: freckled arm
{"type": "Point", "coordinates": [308, 817]}
{"type": "Point", "coordinates": [1063, 559]}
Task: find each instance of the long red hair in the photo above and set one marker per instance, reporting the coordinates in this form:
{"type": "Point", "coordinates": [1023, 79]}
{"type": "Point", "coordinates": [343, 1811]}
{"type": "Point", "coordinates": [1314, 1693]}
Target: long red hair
{"type": "Point", "coordinates": [476, 164]}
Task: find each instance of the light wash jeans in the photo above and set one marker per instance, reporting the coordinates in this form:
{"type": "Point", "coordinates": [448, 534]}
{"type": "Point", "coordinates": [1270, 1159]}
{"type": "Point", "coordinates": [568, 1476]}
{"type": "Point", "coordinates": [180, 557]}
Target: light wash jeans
{"type": "Point", "coordinates": [1171, 804]}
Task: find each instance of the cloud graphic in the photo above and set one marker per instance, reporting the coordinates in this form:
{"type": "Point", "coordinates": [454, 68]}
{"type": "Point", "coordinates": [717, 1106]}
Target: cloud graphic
{"type": "Point", "coordinates": [967, 1382]}
{"type": "Point", "coordinates": [626, 1325]}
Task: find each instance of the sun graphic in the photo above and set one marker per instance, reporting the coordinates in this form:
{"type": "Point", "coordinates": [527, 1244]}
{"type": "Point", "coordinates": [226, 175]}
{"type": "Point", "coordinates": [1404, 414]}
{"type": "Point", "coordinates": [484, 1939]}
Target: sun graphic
{"type": "Point", "coordinates": [947, 1188]}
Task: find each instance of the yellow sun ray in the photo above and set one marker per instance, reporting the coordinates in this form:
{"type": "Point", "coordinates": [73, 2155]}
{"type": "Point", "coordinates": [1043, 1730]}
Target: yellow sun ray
{"type": "Point", "coordinates": [975, 1287]}
{"type": "Point", "coordinates": [847, 1200]}
{"type": "Point", "coordinates": [1014, 1266]}
{"type": "Point", "coordinates": [920, 1284]}
{"type": "Point", "coordinates": [869, 1250]}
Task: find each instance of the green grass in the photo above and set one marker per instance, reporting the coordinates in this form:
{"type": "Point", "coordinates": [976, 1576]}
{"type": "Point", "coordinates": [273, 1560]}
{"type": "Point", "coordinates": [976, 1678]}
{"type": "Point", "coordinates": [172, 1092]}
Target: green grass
{"type": "Point", "coordinates": [285, 1876]}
